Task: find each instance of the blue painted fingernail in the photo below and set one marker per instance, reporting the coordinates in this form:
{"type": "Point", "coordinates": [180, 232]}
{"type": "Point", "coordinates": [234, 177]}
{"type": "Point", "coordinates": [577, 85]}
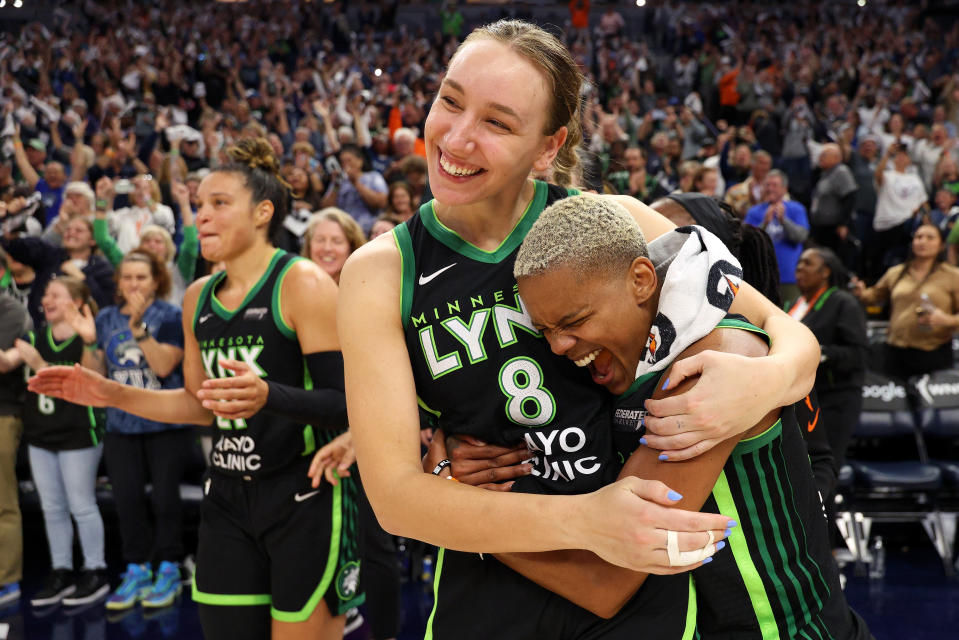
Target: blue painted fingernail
{"type": "Point", "coordinates": [672, 495]}
{"type": "Point", "coordinates": [663, 456]}
{"type": "Point", "coordinates": [666, 384]}
{"type": "Point", "coordinates": [708, 560]}
{"type": "Point", "coordinates": [728, 533]}
{"type": "Point", "coordinates": [642, 440]}
{"type": "Point", "coordinates": [732, 523]}
{"type": "Point", "coordinates": [720, 545]}
{"type": "Point", "coordinates": [642, 422]}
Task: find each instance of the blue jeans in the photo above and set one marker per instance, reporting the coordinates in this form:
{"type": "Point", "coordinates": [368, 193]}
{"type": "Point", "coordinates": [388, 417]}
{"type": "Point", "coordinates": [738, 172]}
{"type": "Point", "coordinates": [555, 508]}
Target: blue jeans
{"type": "Point", "coordinates": [66, 482]}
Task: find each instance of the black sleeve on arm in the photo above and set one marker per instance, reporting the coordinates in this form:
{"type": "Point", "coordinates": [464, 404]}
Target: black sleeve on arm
{"type": "Point", "coordinates": [323, 406]}
{"type": "Point", "coordinates": [847, 351]}
{"type": "Point", "coordinates": [34, 252]}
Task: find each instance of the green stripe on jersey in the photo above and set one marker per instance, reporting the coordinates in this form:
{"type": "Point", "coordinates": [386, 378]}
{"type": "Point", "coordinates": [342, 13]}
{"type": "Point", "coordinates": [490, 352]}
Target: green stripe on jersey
{"type": "Point", "coordinates": [509, 244]}
{"type": "Point", "coordinates": [748, 445]}
{"type": "Point", "coordinates": [277, 301]}
{"type": "Point", "coordinates": [805, 553]}
{"type": "Point", "coordinates": [229, 600]}
{"type": "Point", "coordinates": [691, 610]}
{"type": "Point", "coordinates": [426, 407]}
{"type": "Point", "coordinates": [755, 498]}
{"type": "Point", "coordinates": [726, 505]}
{"type": "Point", "coordinates": [735, 323]}
{"type": "Point", "coordinates": [331, 561]}
{"type": "Point", "coordinates": [401, 236]}
{"type": "Point", "coordinates": [93, 426]}
{"type": "Point", "coordinates": [53, 343]}
{"type": "Point", "coordinates": [227, 314]}
{"type": "Point", "coordinates": [309, 438]}
{"type": "Point", "coordinates": [436, 592]}
{"type": "Point", "coordinates": [798, 549]}
{"type": "Point", "coordinates": [204, 294]}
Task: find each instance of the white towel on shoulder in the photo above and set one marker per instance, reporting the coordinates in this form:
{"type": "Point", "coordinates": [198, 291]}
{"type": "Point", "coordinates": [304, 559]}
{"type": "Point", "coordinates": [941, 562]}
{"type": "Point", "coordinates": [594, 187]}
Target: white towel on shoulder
{"type": "Point", "coordinates": [700, 279]}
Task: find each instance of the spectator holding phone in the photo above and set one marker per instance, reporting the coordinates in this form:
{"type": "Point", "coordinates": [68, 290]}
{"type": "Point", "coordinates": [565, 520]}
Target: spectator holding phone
{"type": "Point", "coordinates": [359, 192]}
{"type": "Point", "coordinates": [901, 194]}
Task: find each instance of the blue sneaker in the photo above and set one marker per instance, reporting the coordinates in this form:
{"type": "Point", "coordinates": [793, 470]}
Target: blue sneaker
{"type": "Point", "coordinates": [136, 584]}
{"type": "Point", "coordinates": [166, 588]}
{"type": "Point", "coordinates": [9, 593]}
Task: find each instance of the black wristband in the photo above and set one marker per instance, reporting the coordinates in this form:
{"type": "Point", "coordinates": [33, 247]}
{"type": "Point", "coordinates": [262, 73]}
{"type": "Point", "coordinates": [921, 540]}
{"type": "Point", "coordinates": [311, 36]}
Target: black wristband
{"type": "Point", "coordinates": [438, 469]}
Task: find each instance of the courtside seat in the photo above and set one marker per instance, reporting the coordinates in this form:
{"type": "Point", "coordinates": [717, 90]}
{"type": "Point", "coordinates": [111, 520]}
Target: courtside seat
{"type": "Point", "coordinates": [893, 479]}
{"type": "Point", "coordinates": [897, 476]}
{"type": "Point", "coordinates": [950, 473]}
{"type": "Point", "coordinates": [847, 476]}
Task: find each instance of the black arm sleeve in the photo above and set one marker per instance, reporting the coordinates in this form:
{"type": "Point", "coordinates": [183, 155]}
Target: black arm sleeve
{"type": "Point", "coordinates": [323, 406]}
{"type": "Point", "coordinates": [34, 252]}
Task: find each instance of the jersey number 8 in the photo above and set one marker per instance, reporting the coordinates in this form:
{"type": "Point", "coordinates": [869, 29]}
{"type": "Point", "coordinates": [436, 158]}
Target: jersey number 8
{"type": "Point", "coordinates": [528, 403]}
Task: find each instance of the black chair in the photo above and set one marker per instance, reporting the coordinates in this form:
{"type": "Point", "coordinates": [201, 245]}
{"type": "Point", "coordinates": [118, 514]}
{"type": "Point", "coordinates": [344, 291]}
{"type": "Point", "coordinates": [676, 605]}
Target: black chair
{"type": "Point", "coordinates": [938, 395]}
{"type": "Point", "coordinates": [889, 478]}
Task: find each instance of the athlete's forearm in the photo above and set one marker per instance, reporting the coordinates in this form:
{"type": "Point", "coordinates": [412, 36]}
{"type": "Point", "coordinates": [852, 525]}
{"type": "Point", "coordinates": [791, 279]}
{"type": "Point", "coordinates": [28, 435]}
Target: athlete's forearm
{"type": "Point", "coordinates": [457, 516]}
{"type": "Point", "coordinates": [789, 370]}
{"type": "Point", "coordinates": [579, 576]}
{"type": "Point", "coordinates": [792, 361]}
{"type": "Point", "coordinates": [174, 406]}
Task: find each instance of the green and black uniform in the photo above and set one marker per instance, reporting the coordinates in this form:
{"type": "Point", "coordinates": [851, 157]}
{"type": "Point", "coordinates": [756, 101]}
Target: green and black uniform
{"type": "Point", "coordinates": [482, 369]}
{"type": "Point", "coordinates": [52, 423]}
{"type": "Point", "coordinates": [267, 537]}
{"type": "Point", "coordinates": [778, 579]}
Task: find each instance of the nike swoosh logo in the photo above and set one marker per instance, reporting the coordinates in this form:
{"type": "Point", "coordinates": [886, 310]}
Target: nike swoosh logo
{"type": "Point", "coordinates": [425, 279]}
{"type": "Point", "coordinates": [206, 317]}
{"type": "Point", "coordinates": [305, 496]}
{"type": "Point", "coordinates": [812, 425]}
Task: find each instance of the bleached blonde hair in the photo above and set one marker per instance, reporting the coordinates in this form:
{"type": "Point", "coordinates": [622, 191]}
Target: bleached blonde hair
{"type": "Point", "coordinates": [587, 233]}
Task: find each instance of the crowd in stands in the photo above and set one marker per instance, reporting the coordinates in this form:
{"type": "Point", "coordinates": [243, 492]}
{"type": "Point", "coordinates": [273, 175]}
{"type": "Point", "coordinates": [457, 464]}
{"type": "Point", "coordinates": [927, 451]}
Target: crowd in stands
{"type": "Point", "coordinates": [818, 122]}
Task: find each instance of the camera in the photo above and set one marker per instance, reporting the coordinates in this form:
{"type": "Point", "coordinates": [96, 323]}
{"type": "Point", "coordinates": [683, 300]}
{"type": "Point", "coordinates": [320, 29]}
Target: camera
{"type": "Point", "coordinates": [123, 187]}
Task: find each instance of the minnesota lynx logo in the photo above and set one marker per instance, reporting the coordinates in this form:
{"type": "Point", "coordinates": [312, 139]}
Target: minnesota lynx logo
{"type": "Point", "coordinates": [348, 580]}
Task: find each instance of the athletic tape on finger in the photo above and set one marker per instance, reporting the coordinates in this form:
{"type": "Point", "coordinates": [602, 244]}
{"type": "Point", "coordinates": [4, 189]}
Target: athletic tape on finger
{"type": "Point", "coordinates": [679, 558]}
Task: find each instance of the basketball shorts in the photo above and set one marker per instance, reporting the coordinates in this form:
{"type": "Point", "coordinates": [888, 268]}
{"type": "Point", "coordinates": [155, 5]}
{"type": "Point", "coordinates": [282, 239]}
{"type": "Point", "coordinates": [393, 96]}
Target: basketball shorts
{"type": "Point", "coordinates": [277, 541]}
{"type": "Point", "coordinates": [481, 598]}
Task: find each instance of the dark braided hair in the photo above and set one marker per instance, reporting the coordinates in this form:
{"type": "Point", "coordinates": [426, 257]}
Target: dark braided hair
{"type": "Point", "coordinates": [253, 158]}
{"type": "Point", "coordinates": [756, 255]}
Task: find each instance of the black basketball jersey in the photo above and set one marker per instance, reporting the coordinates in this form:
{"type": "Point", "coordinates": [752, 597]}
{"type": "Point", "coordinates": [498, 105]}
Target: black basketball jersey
{"type": "Point", "coordinates": [778, 578]}
{"type": "Point", "coordinates": [255, 333]}
{"type": "Point", "coordinates": [482, 369]}
{"type": "Point", "coordinates": [52, 423]}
